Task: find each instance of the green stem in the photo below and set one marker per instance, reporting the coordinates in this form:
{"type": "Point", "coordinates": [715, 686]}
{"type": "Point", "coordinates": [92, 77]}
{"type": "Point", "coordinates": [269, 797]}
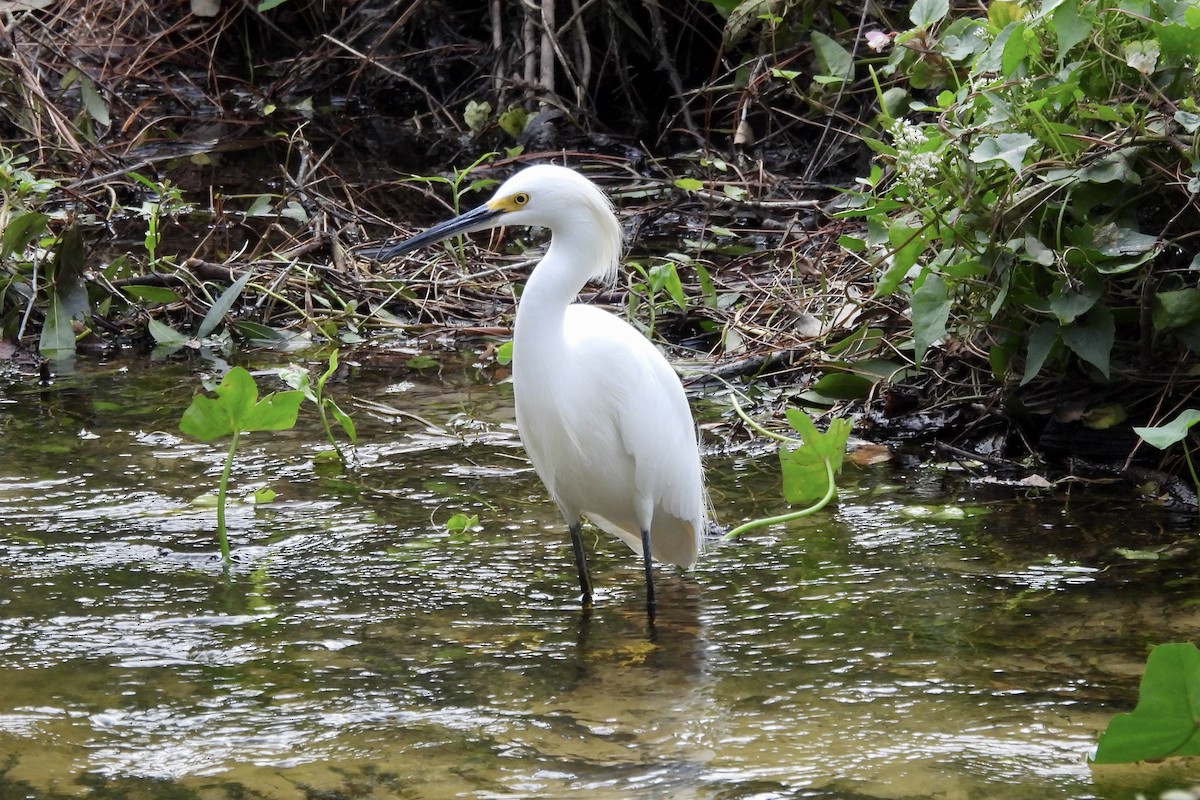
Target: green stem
{"type": "Point", "coordinates": [791, 515]}
{"type": "Point", "coordinates": [222, 491]}
{"type": "Point", "coordinates": [324, 415]}
{"type": "Point", "coordinates": [754, 426]}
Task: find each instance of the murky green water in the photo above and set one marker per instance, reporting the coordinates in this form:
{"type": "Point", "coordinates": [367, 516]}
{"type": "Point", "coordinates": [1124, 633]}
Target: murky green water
{"type": "Point", "coordinates": [362, 651]}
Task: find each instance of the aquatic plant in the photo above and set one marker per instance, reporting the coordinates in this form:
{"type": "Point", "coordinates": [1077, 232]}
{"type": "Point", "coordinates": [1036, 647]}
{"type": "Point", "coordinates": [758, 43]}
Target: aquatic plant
{"type": "Point", "coordinates": [809, 464]}
{"type": "Point", "coordinates": [326, 406]}
{"type": "Point", "coordinates": [1166, 721]}
{"type": "Point", "coordinates": [165, 201]}
{"type": "Point", "coordinates": [1171, 433]}
{"type": "Point", "coordinates": [235, 411]}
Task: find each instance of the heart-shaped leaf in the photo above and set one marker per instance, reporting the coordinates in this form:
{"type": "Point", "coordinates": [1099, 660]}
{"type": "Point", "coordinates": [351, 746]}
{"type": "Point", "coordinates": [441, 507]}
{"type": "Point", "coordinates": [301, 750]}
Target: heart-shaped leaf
{"type": "Point", "coordinates": [236, 408]}
{"type": "Point", "coordinates": [1166, 721]}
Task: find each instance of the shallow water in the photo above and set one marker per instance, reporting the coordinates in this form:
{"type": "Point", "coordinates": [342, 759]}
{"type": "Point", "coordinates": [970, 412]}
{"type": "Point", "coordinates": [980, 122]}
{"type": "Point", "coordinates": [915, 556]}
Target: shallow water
{"type": "Point", "coordinates": [361, 650]}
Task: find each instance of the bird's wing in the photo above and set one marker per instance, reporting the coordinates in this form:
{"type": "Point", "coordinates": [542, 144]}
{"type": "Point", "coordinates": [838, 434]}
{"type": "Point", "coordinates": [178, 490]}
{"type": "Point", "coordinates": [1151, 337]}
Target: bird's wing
{"type": "Point", "coordinates": [650, 408]}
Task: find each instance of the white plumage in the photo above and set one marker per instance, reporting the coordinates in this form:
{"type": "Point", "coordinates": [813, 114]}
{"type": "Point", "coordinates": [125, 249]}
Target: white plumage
{"type": "Point", "coordinates": [601, 413]}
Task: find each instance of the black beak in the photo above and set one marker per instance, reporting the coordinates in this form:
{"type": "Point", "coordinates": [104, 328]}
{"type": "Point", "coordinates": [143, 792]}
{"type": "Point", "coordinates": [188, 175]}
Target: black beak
{"type": "Point", "coordinates": [476, 219]}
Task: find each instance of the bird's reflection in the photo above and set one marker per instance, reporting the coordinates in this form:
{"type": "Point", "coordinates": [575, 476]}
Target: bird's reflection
{"type": "Point", "coordinates": [677, 620]}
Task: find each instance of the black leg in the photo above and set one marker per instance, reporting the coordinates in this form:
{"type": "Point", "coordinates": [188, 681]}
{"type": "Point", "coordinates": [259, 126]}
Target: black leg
{"type": "Point", "coordinates": [651, 605]}
{"type": "Point", "coordinates": [585, 583]}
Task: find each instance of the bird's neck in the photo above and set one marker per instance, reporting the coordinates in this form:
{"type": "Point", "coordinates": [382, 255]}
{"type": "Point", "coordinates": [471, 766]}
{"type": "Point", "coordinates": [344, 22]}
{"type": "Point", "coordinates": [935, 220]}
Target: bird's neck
{"type": "Point", "coordinates": [552, 286]}
{"type": "Point", "coordinates": [555, 283]}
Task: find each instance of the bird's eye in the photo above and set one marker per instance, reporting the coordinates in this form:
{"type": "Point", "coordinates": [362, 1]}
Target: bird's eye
{"type": "Point", "coordinates": [520, 199]}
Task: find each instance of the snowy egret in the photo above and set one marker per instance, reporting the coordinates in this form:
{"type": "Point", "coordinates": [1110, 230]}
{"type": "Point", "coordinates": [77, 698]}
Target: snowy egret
{"type": "Point", "coordinates": [599, 410]}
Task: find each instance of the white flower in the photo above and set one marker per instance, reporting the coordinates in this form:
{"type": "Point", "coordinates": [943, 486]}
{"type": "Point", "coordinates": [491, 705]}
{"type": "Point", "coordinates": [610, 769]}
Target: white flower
{"type": "Point", "coordinates": [914, 168]}
{"type": "Point", "coordinates": [906, 135]}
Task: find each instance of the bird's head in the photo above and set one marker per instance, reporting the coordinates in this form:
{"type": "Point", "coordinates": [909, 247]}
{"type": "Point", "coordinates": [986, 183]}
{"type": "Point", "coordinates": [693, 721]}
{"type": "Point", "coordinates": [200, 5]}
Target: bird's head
{"type": "Point", "coordinates": [541, 196]}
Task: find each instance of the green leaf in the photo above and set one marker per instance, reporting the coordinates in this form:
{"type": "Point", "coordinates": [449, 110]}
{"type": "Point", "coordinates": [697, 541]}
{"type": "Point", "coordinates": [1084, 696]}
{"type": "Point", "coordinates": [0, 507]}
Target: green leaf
{"type": "Point", "coordinates": [990, 60]}
{"type": "Point", "coordinates": [1042, 340]}
{"type": "Point", "coordinates": [1091, 337]}
{"type": "Point", "coordinates": [58, 338]}
{"type": "Point", "coordinates": [513, 120]}
{"type": "Point", "coordinates": [236, 408]}
{"type": "Point", "coordinates": [844, 386]}
{"type": "Point", "coordinates": [206, 419]}
{"type": "Point", "coordinates": [805, 477]}
{"type": "Point", "coordinates": [164, 334]}
{"type": "Point", "coordinates": [1113, 167]}
{"type": "Point", "coordinates": [93, 101]}
{"type": "Point", "coordinates": [296, 377]}
{"type": "Point", "coordinates": [20, 231]}
{"type": "Point", "coordinates": [1071, 26]}
{"type": "Point", "coordinates": [926, 12]}
{"type": "Point", "coordinates": [1143, 55]}
{"type": "Point", "coordinates": [832, 58]}
{"type": "Point", "coordinates": [70, 263]}
{"type": "Point", "coordinates": [1173, 432]}
{"type": "Point", "coordinates": [422, 362]}
{"type": "Point", "coordinates": [262, 496]}
{"type": "Point", "coordinates": [1176, 309]}
{"type": "Point", "coordinates": [930, 311]}
{"type": "Point", "coordinates": [461, 522]}
{"type": "Point", "coordinates": [480, 183]}
{"type": "Point", "coordinates": [664, 277]}
{"type": "Point", "coordinates": [1190, 122]}
{"type": "Point", "coordinates": [477, 114]}
{"type": "Point", "coordinates": [1166, 720]}
{"type": "Point", "coordinates": [295, 212]}
{"type": "Point", "coordinates": [1004, 12]}
{"type": "Point", "coordinates": [220, 308]}
{"type": "Point", "coordinates": [1009, 148]}
{"type": "Point", "coordinates": [257, 332]}
{"type": "Point", "coordinates": [1071, 300]}
{"type": "Point", "coordinates": [908, 244]}
{"type": "Point", "coordinates": [504, 353]}
{"type": "Point", "coordinates": [330, 370]}
{"type": "Point", "coordinates": [1178, 41]}
{"type": "Point", "coordinates": [1115, 240]}
{"type": "Point", "coordinates": [689, 184]}
{"type": "Point", "coordinates": [151, 294]}
{"type": "Point", "coordinates": [1016, 50]}
{"type": "Point", "coordinates": [275, 412]}
{"type": "Point", "coordinates": [344, 420]}
{"type": "Point", "coordinates": [263, 206]}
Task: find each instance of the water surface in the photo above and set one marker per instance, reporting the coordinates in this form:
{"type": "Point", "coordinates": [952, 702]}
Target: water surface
{"type": "Point", "coordinates": [360, 649]}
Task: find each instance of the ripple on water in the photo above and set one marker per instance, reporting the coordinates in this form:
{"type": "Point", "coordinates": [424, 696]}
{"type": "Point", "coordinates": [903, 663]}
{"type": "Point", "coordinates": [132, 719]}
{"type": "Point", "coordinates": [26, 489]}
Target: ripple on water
{"type": "Point", "coordinates": [357, 642]}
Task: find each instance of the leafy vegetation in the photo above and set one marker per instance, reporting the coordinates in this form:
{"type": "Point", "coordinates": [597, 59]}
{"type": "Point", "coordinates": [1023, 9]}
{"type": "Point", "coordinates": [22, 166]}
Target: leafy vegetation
{"type": "Point", "coordinates": [235, 411]}
{"type": "Point", "coordinates": [326, 406]}
{"type": "Point", "coordinates": [1036, 188]}
{"type": "Point", "coordinates": [1172, 433]}
{"type": "Point", "coordinates": [1166, 721]}
{"type": "Point", "coordinates": [808, 464]}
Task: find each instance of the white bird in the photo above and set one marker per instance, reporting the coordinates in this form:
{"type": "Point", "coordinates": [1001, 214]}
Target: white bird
{"type": "Point", "coordinates": [601, 413]}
